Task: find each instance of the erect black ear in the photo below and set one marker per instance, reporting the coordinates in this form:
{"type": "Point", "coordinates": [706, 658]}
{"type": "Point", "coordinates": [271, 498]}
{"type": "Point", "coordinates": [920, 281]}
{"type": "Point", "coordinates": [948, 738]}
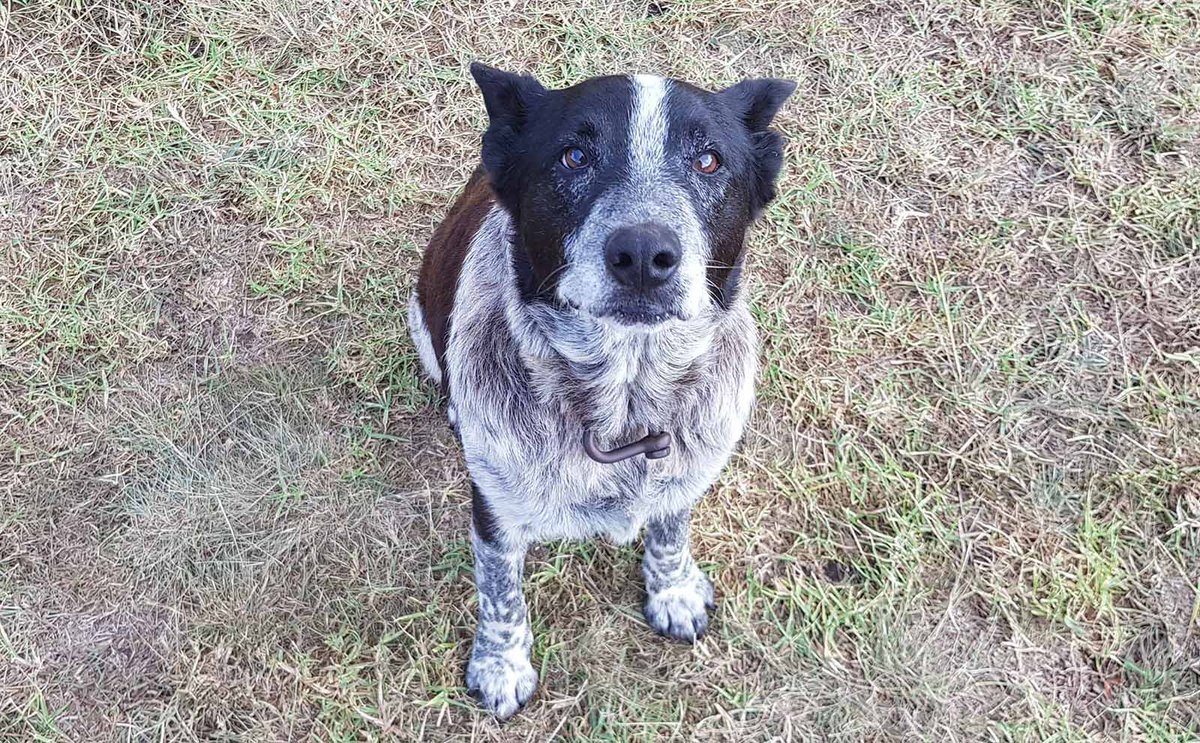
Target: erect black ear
{"type": "Point", "coordinates": [507, 97]}
{"type": "Point", "coordinates": [510, 99]}
{"type": "Point", "coordinates": [757, 101]}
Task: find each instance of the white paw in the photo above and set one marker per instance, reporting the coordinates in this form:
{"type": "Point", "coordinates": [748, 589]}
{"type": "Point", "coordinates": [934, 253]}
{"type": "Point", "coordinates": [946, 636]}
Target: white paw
{"type": "Point", "coordinates": [502, 682]}
{"type": "Point", "coordinates": [680, 610]}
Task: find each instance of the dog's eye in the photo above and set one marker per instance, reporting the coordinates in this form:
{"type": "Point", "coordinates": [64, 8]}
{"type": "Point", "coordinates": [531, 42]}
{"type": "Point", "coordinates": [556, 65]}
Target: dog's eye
{"type": "Point", "coordinates": [707, 162]}
{"type": "Point", "coordinates": [574, 158]}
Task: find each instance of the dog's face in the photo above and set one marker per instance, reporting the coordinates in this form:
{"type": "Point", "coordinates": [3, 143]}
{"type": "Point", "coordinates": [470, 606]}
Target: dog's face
{"type": "Point", "coordinates": [631, 196]}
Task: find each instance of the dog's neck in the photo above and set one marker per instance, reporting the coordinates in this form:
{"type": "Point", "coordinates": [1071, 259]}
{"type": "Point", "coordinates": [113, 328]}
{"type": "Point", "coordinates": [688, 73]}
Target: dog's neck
{"type": "Point", "coordinates": [617, 380]}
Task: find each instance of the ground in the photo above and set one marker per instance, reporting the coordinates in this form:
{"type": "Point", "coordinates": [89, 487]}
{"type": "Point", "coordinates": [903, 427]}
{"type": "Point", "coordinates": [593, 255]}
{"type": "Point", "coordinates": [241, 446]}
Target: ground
{"type": "Point", "coordinates": [968, 507]}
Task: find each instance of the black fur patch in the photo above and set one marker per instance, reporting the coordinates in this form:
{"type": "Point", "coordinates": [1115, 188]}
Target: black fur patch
{"type": "Point", "coordinates": [482, 517]}
{"type": "Point", "coordinates": [733, 122]}
{"type": "Point", "coordinates": [531, 126]}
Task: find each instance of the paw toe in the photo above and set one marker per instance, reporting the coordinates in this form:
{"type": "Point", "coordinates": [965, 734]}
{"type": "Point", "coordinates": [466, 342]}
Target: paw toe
{"type": "Point", "coordinates": [681, 612]}
{"type": "Point", "coordinates": [502, 686]}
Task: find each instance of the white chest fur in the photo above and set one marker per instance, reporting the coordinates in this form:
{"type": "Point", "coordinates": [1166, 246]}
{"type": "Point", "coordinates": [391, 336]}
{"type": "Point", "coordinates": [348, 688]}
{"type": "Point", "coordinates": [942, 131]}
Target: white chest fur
{"type": "Point", "coordinates": [525, 385]}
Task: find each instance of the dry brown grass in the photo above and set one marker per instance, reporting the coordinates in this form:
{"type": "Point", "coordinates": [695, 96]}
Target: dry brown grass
{"type": "Point", "coordinates": [969, 507]}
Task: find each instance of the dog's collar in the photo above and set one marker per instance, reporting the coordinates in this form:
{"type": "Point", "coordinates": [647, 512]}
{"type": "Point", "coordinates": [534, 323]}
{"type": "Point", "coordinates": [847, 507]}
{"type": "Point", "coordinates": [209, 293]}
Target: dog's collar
{"type": "Point", "coordinates": [654, 446]}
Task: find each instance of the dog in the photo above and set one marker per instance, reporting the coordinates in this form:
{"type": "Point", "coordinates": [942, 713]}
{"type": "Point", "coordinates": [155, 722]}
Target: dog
{"type": "Point", "coordinates": [581, 308]}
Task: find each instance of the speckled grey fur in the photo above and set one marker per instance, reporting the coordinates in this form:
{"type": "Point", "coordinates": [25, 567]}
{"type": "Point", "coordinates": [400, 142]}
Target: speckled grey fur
{"type": "Point", "coordinates": [525, 381]}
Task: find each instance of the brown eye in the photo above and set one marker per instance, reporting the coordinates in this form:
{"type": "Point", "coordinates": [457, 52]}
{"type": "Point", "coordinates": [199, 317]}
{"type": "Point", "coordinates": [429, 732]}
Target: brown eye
{"type": "Point", "coordinates": [574, 158]}
{"type": "Point", "coordinates": [707, 162]}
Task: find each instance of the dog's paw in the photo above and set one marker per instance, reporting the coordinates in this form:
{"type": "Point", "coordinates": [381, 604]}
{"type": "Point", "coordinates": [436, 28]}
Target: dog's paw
{"type": "Point", "coordinates": [680, 610]}
{"type": "Point", "coordinates": [503, 682]}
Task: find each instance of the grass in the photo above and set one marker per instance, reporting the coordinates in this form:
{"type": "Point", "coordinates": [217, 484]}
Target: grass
{"type": "Point", "coordinates": [968, 507]}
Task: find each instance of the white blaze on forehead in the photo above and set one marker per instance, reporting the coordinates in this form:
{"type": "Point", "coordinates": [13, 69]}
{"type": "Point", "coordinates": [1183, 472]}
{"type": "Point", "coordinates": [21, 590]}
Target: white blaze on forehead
{"type": "Point", "coordinates": [648, 128]}
{"type": "Point", "coordinates": [650, 193]}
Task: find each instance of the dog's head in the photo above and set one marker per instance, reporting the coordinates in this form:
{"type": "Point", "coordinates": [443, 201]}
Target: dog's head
{"type": "Point", "coordinates": [631, 196]}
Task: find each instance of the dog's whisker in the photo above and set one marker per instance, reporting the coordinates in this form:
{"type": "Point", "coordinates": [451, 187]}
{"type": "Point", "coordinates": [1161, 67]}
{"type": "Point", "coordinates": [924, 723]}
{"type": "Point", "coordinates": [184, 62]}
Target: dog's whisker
{"type": "Point", "coordinates": [550, 277]}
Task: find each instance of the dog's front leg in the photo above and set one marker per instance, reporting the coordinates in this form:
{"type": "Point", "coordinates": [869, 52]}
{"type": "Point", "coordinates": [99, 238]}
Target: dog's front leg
{"type": "Point", "coordinates": [499, 674]}
{"type": "Point", "coordinates": [678, 595]}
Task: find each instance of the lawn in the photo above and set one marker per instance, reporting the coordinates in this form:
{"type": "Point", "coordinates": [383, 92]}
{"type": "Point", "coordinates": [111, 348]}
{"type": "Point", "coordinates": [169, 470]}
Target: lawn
{"type": "Point", "coordinates": [968, 507]}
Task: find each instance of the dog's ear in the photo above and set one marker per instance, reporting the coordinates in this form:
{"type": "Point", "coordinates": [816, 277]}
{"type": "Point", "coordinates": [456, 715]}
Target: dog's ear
{"type": "Point", "coordinates": [757, 101]}
{"type": "Point", "coordinates": [509, 100]}
{"type": "Point", "coordinates": [508, 97]}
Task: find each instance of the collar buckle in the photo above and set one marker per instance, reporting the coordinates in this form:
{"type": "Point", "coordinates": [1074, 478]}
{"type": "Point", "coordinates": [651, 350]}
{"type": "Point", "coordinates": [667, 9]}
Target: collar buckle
{"type": "Point", "coordinates": [653, 445]}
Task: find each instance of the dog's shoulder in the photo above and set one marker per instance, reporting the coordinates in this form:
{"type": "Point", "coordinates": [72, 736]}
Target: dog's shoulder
{"type": "Point", "coordinates": [438, 281]}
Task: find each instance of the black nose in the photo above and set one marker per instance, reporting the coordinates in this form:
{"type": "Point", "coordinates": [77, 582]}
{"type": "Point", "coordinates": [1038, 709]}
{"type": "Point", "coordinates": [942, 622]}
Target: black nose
{"type": "Point", "coordinates": [643, 256]}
